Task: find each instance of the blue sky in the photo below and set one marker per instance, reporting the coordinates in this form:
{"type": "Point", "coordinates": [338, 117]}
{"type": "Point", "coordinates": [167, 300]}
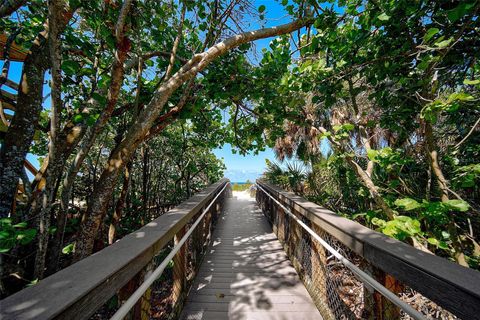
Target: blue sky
{"type": "Point", "coordinates": [250, 167]}
{"type": "Point", "coordinates": [238, 168]}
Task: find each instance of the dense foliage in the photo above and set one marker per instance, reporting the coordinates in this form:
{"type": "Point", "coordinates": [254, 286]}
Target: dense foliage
{"type": "Point", "coordinates": [123, 101]}
{"type": "Point", "coordinates": [118, 101]}
{"type": "Point", "coordinates": [381, 104]}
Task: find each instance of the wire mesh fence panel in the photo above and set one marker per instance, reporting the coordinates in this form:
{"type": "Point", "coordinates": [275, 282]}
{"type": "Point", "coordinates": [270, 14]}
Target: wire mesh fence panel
{"type": "Point", "coordinates": [164, 299]}
{"type": "Point", "coordinates": [337, 292]}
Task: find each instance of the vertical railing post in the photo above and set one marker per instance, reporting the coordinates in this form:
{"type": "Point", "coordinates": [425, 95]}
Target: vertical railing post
{"type": "Point", "coordinates": [376, 305]}
{"type": "Point", "coordinates": [145, 303]}
{"type": "Point", "coordinates": [207, 227]}
{"type": "Point", "coordinates": [140, 308]}
{"type": "Point", "coordinates": [179, 273]}
{"type": "Point", "coordinates": [319, 277]}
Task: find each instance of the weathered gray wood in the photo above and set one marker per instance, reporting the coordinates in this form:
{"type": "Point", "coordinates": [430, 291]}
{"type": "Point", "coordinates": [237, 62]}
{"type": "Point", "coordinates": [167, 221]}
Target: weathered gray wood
{"type": "Point", "coordinates": [246, 274]}
{"type": "Point", "coordinates": [257, 315]}
{"type": "Point", "coordinates": [429, 276]}
{"type": "Point", "coordinates": [79, 290]}
{"type": "Point", "coordinates": [11, 84]}
{"type": "Point", "coordinates": [448, 284]}
{"type": "Point", "coordinates": [348, 232]}
{"type": "Point", "coordinates": [8, 95]}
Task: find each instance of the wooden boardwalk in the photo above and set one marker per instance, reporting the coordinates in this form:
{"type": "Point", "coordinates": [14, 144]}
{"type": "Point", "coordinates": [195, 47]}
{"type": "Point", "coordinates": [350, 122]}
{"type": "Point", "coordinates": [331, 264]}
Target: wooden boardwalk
{"type": "Point", "coordinates": [246, 274]}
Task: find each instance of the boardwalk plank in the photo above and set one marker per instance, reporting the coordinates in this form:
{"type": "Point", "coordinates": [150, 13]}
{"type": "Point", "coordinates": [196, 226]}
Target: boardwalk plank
{"type": "Point", "coordinates": [246, 274]}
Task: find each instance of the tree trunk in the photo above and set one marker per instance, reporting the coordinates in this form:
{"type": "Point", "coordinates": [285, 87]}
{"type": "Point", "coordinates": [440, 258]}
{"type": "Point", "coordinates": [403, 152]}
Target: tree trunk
{"type": "Point", "coordinates": [25, 120]}
{"type": "Point", "coordinates": [145, 178]}
{"type": "Point", "coordinates": [145, 120]}
{"type": "Point", "coordinates": [22, 128]}
{"type": "Point", "coordinates": [432, 156]}
{"type": "Point", "coordinates": [120, 206]}
{"type": "Point", "coordinates": [372, 188]}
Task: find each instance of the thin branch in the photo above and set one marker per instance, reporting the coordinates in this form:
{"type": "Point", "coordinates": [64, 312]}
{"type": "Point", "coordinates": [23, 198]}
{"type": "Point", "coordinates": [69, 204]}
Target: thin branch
{"type": "Point", "coordinates": [468, 134]}
{"type": "Point", "coordinates": [120, 27]}
{"type": "Point", "coordinates": [175, 44]}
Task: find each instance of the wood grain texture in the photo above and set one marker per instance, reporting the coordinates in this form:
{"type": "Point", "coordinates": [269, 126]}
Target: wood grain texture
{"type": "Point", "coordinates": [246, 274]}
{"type": "Point", "coordinates": [78, 291]}
{"type": "Point", "coordinates": [451, 286]}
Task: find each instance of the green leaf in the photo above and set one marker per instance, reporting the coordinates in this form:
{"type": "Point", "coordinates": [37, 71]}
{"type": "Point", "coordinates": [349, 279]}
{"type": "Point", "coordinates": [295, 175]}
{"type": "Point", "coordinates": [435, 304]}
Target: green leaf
{"type": "Point", "coordinates": [379, 222]}
{"type": "Point", "coordinates": [20, 225]}
{"type": "Point", "coordinates": [383, 17]}
{"type": "Point", "coordinates": [70, 67]}
{"type": "Point", "coordinates": [91, 119]}
{"type": "Point", "coordinates": [26, 236]}
{"type": "Point", "coordinates": [471, 82]}
{"type": "Point", "coordinates": [407, 204]}
{"type": "Point", "coordinates": [77, 118]}
{"type": "Point", "coordinates": [372, 154]}
{"type": "Point", "coordinates": [460, 11]}
{"type": "Point", "coordinates": [32, 283]}
{"type": "Point", "coordinates": [443, 245]}
{"type": "Point", "coordinates": [412, 226]}
{"type": "Point", "coordinates": [5, 248]}
{"type": "Point", "coordinates": [262, 8]}
{"type": "Point", "coordinates": [460, 96]}
{"type": "Point", "coordinates": [4, 235]}
{"type": "Point", "coordinates": [433, 241]}
{"type": "Point", "coordinates": [5, 222]}
{"type": "Point", "coordinates": [68, 249]}
{"type": "Point", "coordinates": [430, 33]}
{"type": "Point", "coordinates": [99, 98]}
{"type": "Point", "coordinates": [444, 43]}
{"type": "Point", "coordinates": [458, 205]}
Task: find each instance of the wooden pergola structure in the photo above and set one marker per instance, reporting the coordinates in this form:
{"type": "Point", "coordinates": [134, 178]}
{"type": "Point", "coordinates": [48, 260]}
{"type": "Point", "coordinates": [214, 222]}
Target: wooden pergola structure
{"type": "Point", "coordinates": [8, 98]}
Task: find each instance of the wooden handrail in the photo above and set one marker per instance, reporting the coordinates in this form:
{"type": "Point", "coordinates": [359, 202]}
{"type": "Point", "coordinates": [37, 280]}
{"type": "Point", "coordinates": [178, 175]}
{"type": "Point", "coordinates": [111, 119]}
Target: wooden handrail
{"type": "Point", "coordinates": [78, 291]}
{"type": "Point", "coordinates": [453, 287]}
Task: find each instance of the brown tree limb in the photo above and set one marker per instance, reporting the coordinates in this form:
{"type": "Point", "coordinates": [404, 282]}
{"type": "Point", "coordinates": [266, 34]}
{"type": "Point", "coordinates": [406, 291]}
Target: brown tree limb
{"type": "Point", "coordinates": [10, 6]}
{"type": "Point", "coordinates": [175, 44]}
{"type": "Point", "coordinates": [25, 120]}
{"type": "Point", "coordinates": [55, 12]}
{"type": "Point", "coordinates": [146, 119]}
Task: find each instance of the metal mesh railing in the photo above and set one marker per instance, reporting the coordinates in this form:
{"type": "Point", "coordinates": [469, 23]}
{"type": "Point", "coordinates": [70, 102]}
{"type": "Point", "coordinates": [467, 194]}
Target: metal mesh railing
{"type": "Point", "coordinates": [339, 292]}
{"type": "Point", "coordinates": [162, 285]}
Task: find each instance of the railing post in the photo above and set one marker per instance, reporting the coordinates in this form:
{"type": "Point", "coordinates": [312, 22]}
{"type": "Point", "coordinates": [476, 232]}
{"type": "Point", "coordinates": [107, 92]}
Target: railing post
{"type": "Point", "coordinates": [145, 303]}
{"type": "Point", "coordinates": [280, 225]}
{"type": "Point", "coordinates": [319, 277]}
{"type": "Point", "coordinates": [377, 306]}
{"type": "Point", "coordinates": [179, 273]}
{"type": "Point", "coordinates": [207, 227]}
{"type": "Point", "coordinates": [141, 308]}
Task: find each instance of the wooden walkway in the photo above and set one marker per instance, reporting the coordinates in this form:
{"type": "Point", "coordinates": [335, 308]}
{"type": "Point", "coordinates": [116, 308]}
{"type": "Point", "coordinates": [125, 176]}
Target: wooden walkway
{"type": "Point", "coordinates": [246, 274]}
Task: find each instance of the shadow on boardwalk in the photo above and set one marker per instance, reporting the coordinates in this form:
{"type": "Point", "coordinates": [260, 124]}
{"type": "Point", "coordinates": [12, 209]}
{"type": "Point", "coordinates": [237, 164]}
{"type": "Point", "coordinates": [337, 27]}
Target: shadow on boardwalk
{"type": "Point", "coordinates": [245, 273]}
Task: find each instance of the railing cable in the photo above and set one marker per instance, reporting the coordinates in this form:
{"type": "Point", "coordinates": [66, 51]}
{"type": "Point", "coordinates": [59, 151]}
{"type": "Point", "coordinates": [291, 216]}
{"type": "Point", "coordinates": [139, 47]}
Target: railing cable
{"type": "Point", "coordinates": [363, 276]}
{"type": "Point", "coordinates": [130, 303]}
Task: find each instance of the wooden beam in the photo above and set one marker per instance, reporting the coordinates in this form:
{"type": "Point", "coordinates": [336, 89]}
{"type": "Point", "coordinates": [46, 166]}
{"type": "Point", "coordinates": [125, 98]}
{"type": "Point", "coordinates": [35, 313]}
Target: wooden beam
{"type": "Point", "coordinates": [17, 53]}
{"type": "Point", "coordinates": [9, 83]}
{"type": "Point", "coordinates": [78, 291]}
{"type": "Point", "coordinates": [450, 285]}
{"type": "Point", "coordinates": [30, 167]}
{"type": "Point", "coordinates": [8, 95]}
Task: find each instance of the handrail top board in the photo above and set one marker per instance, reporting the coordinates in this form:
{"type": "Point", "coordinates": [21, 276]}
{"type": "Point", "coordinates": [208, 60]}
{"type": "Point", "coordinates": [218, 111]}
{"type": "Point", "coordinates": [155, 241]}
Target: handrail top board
{"type": "Point", "coordinates": [435, 277]}
{"type": "Point", "coordinates": [78, 290]}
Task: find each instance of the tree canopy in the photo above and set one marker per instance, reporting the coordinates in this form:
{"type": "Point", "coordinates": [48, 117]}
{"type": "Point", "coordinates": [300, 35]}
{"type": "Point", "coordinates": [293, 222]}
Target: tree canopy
{"type": "Point", "coordinates": [123, 102]}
